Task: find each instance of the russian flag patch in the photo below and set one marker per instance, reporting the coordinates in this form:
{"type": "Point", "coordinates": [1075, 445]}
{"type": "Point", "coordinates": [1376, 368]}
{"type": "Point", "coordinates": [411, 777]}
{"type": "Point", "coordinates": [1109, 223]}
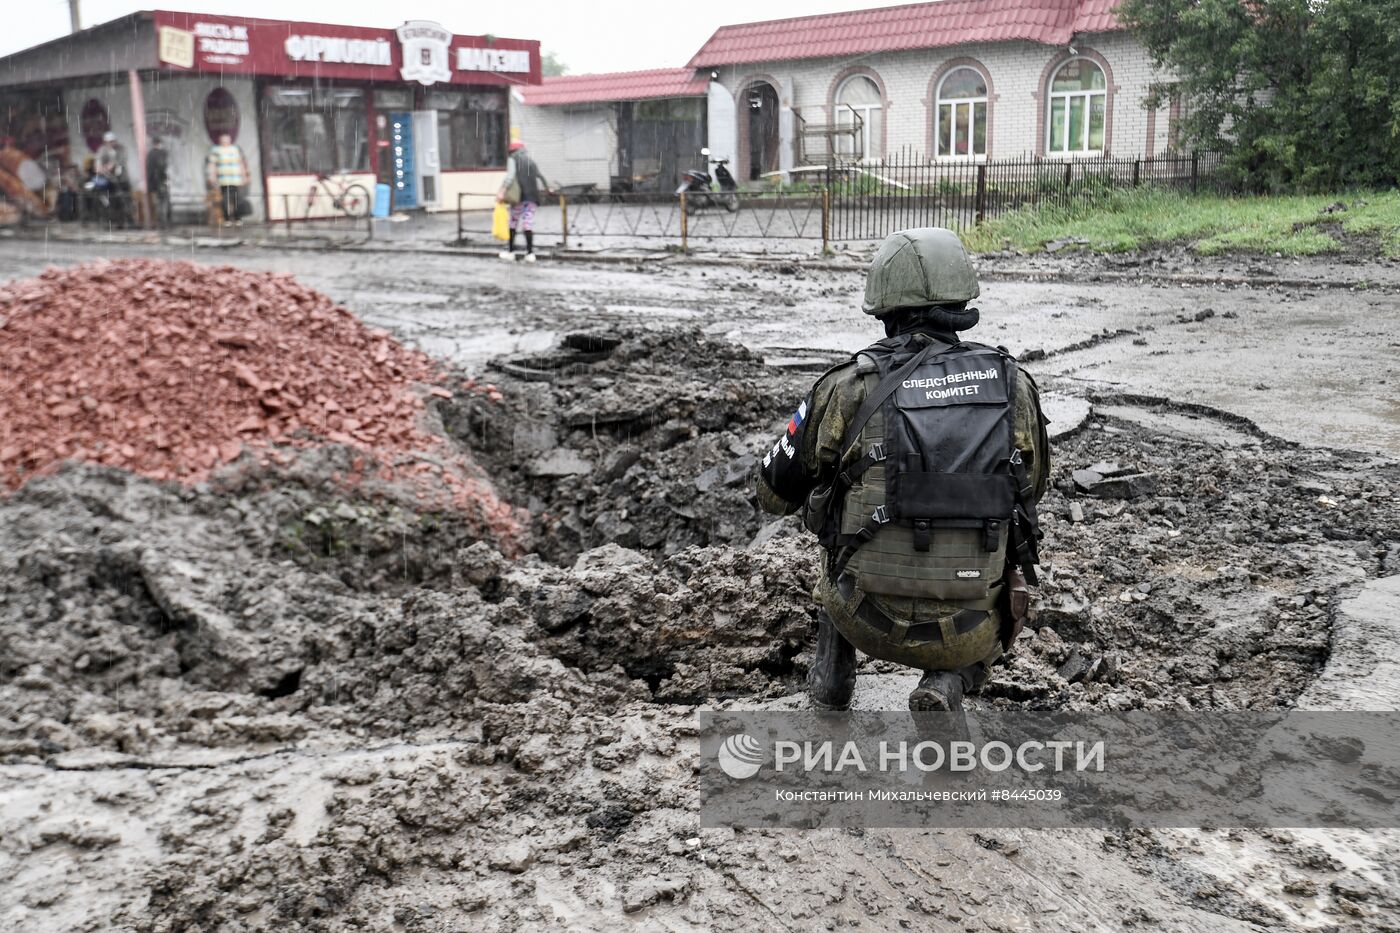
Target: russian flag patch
{"type": "Point", "coordinates": [797, 418]}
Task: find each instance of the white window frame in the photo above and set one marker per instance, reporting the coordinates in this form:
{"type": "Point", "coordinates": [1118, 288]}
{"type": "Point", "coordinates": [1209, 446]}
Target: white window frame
{"type": "Point", "coordinates": [1051, 96]}
{"type": "Point", "coordinates": [971, 103]}
{"type": "Point", "coordinates": [864, 110]}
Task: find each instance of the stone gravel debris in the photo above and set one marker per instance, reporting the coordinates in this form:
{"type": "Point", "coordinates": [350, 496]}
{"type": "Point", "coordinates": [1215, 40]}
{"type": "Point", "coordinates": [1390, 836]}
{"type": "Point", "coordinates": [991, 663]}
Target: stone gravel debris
{"type": "Point", "coordinates": [172, 369]}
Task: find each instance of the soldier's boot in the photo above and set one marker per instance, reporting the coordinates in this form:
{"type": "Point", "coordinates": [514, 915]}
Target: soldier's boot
{"type": "Point", "coordinates": [832, 677]}
{"type": "Point", "coordinates": [938, 692]}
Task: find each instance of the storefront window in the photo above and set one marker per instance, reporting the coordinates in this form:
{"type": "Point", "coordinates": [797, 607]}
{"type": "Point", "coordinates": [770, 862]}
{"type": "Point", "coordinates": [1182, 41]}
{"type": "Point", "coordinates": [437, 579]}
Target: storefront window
{"type": "Point", "coordinates": [316, 143]}
{"type": "Point", "coordinates": [471, 128]}
{"type": "Point", "coordinates": [322, 129]}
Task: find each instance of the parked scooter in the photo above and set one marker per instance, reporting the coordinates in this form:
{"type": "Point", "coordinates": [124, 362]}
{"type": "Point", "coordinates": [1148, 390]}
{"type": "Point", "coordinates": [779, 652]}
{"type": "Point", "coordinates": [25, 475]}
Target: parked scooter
{"type": "Point", "coordinates": [700, 191]}
{"type": "Point", "coordinates": [106, 201]}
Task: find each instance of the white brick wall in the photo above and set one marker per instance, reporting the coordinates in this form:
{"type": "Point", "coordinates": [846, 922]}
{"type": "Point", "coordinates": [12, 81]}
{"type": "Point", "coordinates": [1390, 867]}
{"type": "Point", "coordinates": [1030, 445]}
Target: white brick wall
{"type": "Point", "coordinates": [565, 160]}
{"type": "Point", "coordinates": [1016, 70]}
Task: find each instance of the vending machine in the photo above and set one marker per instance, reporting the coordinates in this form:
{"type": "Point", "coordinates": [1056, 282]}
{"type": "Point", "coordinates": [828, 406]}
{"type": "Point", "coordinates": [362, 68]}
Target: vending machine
{"type": "Point", "coordinates": [417, 167]}
{"type": "Point", "coordinates": [404, 180]}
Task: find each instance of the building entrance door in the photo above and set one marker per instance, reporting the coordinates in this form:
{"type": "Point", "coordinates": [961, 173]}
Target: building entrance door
{"type": "Point", "coordinates": [762, 100]}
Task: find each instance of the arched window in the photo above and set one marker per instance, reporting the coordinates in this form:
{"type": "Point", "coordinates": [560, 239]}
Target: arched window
{"type": "Point", "coordinates": [859, 104]}
{"type": "Point", "coordinates": [961, 116]}
{"type": "Point", "coordinates": [1078, 103]}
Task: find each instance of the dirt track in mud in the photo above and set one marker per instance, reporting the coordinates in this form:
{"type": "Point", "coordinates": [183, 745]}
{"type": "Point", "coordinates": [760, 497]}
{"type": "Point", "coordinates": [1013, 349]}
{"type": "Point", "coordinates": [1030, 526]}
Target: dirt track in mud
{"type": "Point", "coordinates": [256, 704]}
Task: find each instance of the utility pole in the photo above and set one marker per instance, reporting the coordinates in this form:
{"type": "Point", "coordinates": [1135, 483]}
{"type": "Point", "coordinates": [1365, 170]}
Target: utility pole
{"type": "Point", "coordinates": [74, 15]}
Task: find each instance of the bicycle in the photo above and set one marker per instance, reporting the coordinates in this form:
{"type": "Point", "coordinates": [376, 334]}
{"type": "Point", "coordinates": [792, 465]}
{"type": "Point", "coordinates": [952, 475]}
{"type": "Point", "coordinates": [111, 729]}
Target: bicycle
{"type": "Point", "coordinates": [352, 198]}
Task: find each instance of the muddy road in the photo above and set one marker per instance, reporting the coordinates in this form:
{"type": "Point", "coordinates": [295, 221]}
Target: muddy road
{"type": "Point", "coordinates": [262, 703]}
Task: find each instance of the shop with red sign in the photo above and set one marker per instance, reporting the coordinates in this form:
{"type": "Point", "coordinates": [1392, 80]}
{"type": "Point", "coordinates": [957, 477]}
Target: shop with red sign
{"type": "Point", "coordinates": [312, 107]}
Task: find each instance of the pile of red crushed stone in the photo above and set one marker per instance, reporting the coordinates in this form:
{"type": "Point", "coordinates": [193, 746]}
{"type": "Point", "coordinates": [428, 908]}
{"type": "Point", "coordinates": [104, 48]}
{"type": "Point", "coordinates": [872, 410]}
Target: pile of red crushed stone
{"type": "Point", "coordinates": [170, 369]}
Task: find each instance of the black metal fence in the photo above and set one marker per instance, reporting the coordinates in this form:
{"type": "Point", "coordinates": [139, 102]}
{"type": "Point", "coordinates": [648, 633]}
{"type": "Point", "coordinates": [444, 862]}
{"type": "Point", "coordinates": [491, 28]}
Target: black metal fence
{"type": "Point", "coordinates": [861, 200]}
{"type": "Point", "coordinates": [695, 216]}
{"type": "Point", "coordinates": [580, 218]}
{"type": "Point", "coordinates": [871, 200]}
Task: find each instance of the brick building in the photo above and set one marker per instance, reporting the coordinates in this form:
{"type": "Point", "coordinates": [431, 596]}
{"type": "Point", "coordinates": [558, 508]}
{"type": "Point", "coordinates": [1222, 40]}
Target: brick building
{"type": "Point", "coordinates": [955, 79]}
{"type": "Point", "coordinates": [948, 80]}
{"type": "Point", "coordinates": [416, 109]}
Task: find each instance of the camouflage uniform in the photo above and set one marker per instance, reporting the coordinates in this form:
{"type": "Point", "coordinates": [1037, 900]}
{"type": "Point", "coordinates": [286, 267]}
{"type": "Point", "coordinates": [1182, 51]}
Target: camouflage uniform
{"type": "Point", "coordinates": [829, 408]}
{"type": "Point", "coordinates": [919, 284]}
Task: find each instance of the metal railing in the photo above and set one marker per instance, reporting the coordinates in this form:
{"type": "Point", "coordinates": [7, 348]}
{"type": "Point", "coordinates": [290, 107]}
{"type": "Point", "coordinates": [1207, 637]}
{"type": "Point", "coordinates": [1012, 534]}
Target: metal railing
{"type": "Point", "coordinates": [680, 218]}
{"type": "Point", "coordinates": [696, 216]}
{"type": "Point", "coordinates": [860, 200]}
{"type": "Point", "coordinates": [830, 135]}
{"type": "Point", "coordinates": [906, 189]}
{"type": "Point", "coordinates": [321, 211]}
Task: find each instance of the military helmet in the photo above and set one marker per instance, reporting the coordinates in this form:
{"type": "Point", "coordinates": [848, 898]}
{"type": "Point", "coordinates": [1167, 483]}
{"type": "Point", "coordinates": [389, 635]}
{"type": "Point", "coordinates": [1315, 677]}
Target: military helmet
{"type": "Point", "coordinates": [917, 268]}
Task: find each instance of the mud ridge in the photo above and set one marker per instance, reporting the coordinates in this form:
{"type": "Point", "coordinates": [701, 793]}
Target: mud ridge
{"type": "Point", "coordinates": [1031, 356]}
{"type": "Point", "coordinates": [1193, 408]}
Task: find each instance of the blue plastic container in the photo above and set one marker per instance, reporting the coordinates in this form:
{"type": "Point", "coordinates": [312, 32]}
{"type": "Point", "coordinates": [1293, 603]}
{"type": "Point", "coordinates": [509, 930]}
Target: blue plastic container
{"type": "Point", "coordinates": [381, 200]}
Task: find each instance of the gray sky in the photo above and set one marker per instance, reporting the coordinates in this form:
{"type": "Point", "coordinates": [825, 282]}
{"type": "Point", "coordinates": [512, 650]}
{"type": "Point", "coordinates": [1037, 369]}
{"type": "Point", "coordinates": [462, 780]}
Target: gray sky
{"type": "Point", "coordinates": [588, 35]}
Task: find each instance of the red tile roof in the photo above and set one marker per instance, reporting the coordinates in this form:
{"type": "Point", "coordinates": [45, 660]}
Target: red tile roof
{"type": "Point", "coordinates": [1097, 16]}
{"type": "Point", "coordinates": [913, 26]}
{"type": "Point", "coordinates": [618, 85]}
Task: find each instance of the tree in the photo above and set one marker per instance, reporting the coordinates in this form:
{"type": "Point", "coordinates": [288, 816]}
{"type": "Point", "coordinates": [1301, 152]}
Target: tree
{"type": "Point", "coordinates": [551, 65]}
{"type": "Point", "coordinates": [1298, 94]}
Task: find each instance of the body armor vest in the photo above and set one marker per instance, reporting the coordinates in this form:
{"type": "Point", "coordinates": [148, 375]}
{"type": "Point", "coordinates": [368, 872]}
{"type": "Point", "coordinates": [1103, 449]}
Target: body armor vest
{"type": "Point", "coordinates": [938, 495]}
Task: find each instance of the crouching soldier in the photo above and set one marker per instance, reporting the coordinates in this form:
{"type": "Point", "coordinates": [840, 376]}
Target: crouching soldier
{"type": "Point", "coordinates": [918, 463]}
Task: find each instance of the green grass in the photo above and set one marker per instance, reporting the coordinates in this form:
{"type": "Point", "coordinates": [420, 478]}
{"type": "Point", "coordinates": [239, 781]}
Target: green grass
{"type": "Point", "coordinates": [1293, 225]}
